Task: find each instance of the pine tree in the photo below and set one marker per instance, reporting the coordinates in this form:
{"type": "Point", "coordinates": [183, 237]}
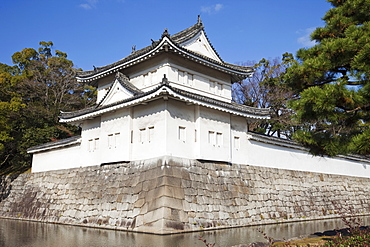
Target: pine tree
{"type": "Point", "coordinates": [332, 82]}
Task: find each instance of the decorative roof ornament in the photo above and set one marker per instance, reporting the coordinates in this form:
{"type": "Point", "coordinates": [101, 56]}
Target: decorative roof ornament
{"type": "Point", "coordinates": [165, 80]}
{"type": "Point", "coordinates": [177, 40]}
{"type": "Point", "coordinates": [133, 49]}
{"type": "Point", "coordinates": [165, 33]}
{"type": "Point", "coordinates": [121, 76]}
{"type": "Point", "coordinates": [199, 20]}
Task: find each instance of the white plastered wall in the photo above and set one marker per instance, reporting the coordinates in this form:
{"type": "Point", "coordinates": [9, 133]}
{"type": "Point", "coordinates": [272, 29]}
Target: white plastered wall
{"type": "Point", "coordinates": [180, 129]}
{"type": "Point", "coordinates": [149, 130]}
{"type": "Point", "coordinates": [115, 136]}
{"type": "Point", "coordinates": [90, 145]}
{"type": "Point", "coordinates": [57, 159]}
{"type": "Point", "coordinates": [173, 128]}
{"type": "Point", "coordinates": [238, 139]}
{"type": "Point", "coordinates": [268, 155]}
{"type": "Point", "coordinates": [192, 78]}
{"type": "Point", "coordinates": [214, 135]}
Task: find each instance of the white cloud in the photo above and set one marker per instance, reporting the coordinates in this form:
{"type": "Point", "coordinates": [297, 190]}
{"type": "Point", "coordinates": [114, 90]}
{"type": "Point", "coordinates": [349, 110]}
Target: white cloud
{"type": "Point", "coordinates": [305, 39]}
{"type": "Point", "coordinates": [85, 6]}
{"type": "Point", "coordinates": [90, 4]}
{"type": "Point", "coordinates": [211, 9]}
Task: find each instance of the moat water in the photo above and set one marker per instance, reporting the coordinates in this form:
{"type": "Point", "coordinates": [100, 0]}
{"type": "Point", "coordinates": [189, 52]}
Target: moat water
{"type": "Point", "coordinates": [16, 233]}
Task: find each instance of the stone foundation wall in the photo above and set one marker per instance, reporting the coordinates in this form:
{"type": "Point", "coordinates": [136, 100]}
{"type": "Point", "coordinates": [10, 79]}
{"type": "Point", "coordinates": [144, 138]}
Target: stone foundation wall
{"type": "Point", "coordinates": [173, 195]}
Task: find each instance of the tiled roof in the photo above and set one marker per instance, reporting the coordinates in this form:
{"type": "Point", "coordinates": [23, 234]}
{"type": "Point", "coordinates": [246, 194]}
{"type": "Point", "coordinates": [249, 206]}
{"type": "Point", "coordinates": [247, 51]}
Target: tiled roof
{"type": "Point", "coordinates": [56, 144]}
{"type": "Point", "coordinates": [295, 145]}
{"type": "Point", "coordinates": [190, 32]}
{"type": "Point", "coordinates": [229, 105]}
{"type": "Point", "coordinates": [165, 88]}
{"type": "Point", "coordinates": [275, 141]}
{"type": "Point", "coordinates": [124, 81]}
{"type": "Point", "coordinates": [142, 54]}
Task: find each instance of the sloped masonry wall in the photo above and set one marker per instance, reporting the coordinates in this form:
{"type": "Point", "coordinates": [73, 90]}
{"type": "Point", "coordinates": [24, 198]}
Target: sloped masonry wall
{"type": "Point", "coordinates": [175, 195]}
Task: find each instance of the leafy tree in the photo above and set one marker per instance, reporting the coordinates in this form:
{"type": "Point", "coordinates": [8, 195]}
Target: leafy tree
{"type": "Point", "coordinates": [40, 85]}
{"type": "Point", "coordinates": [267, 89]}
{"type": "Point", "coordinates": [332, 80]}
{"type": "Point", "coordinates": [10, 104]}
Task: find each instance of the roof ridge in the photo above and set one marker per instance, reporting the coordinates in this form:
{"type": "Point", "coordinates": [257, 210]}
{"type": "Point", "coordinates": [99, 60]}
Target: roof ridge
{"type": "Point", "coordinates": [176, 39]}
{"type": "Point", "coordinates": [125, 82]}
{"type": "Point", "coordinates": [228, 105]}
{"type": "Point", "coordinates": [69, 140]}
{"type": "Point", "coordinates": [183, 35]}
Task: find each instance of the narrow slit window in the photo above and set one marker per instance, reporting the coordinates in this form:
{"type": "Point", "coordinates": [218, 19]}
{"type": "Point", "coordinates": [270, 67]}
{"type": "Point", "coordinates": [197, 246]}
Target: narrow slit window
{"type": "Point", "coordinates": [211, 138]}
{"type": "Point", "coordinates": [190, 79]}
{"type": "Point", "coordinates": [212, 86]}
{"type": "Point", "coordinates": [236, 142]}
{"type": "Point", "coordinates": [151, 134]}
{"type": "Point", "coordinates": [142, 135]}
{"type": "Point", "coordinates": [219, 88]}
{"type": "Point", "coordinates": [110, 141]}
{"type": "Point", "coordinates": [91, 145]}
{"type": "Point", "coordinates": [182, 133]}
{"type": "Point", "coordinates": [96, 143]}
{"type": "Point", "coordinates": [181, 78]}
{"type": "Point", "coordinates": [117, 139]}
{"type": "Point", "coordinates": [219, 139]}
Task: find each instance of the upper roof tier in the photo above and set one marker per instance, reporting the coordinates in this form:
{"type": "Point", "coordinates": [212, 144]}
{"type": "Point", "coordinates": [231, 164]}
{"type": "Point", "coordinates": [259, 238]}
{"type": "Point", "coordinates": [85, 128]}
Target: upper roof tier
{"type": "Point", "coordinates": [191, 43]}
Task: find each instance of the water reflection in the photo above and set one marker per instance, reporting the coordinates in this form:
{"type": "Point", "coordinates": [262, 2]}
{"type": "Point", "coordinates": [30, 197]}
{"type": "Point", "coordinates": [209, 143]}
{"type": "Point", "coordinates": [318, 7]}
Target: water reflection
{"type": "Point", "coordinates": [33, 234]}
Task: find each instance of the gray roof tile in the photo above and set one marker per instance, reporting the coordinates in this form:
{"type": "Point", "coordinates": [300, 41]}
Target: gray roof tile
{"type": "Point", "coordinates": [231, 106]}
{"type": "Point", "coordinates": [177, 39]}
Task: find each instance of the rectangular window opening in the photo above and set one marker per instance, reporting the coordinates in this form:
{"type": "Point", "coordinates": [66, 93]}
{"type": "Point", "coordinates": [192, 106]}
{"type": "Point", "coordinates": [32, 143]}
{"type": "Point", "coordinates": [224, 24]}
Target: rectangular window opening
{"type": "Point", "coordinates": [181, 77]}
{"type": "Point", "coordinates": [182, 133]}
{"type": "Point", "coordinates": [110, 141]}
{"type": "Point", "coordinates": [219, 88]}
{"type": "Point", "coordinates": [142, 135]}
{"type": "Point", "coordinates": [219, 139]}
{"type": "Point", "coordinates": [91, 145]}
{"type": "Point", "coordinates": [96, 143]}
{"type": "Point", "coordinates": [236, 142]}
{"type": "Point", "coordinates": [151, 134]}
{"type": "Point", "coordinates": [212, 86]}
{"type": "Point", "coordinates": [116, 139]}
{"type": "Point", "coordinates": [211, 138]}
{"type": "Point", "coordinates": [190, 79]}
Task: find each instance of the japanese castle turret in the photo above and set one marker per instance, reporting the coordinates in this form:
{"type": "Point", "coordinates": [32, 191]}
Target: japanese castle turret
{"type": "Point", "coordinates": [172, 98]}
{"type": "Point", "coordinates": [166, 150]}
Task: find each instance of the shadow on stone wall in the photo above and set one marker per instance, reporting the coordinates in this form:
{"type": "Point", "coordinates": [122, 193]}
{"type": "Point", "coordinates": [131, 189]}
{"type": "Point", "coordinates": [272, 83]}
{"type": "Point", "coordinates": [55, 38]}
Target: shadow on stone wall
{"type": "Point", "coordinates": [169, 195]}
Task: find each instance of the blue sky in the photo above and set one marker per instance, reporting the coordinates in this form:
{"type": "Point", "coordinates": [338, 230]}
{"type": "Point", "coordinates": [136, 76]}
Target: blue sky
{"type": "Point", "coordinates": [100, 32]}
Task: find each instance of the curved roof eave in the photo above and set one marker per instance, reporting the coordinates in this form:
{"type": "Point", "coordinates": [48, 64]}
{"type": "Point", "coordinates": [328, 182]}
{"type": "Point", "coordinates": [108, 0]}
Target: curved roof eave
{"type": "Point", "coordinates": [164, 45]}
{"type": "Point", "coordinates": [164, 89]}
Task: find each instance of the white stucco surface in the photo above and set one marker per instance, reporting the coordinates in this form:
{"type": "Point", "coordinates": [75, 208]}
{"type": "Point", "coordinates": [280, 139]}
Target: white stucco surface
{"type": "Point", "coordinates": [57, 159]}
{"type": "Point", "coordinates": [177, 129]}
{"type": "Point", "coordinates": [274, 156]}
{"type": "Point", "coordinates": [145, 116]}
{"type": "Point", "coordinates": [200, 44]}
